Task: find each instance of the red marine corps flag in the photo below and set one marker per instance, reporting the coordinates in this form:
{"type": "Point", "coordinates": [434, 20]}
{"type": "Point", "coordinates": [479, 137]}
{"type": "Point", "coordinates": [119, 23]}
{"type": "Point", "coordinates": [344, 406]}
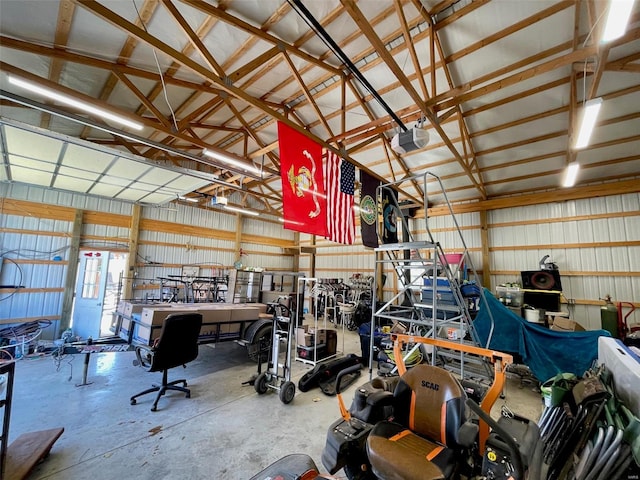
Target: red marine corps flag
{"type": "Point", "coordinates": [304, 201]}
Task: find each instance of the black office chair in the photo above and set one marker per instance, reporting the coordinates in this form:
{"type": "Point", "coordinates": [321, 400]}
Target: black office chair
{"type": "Point", "coordinates": [177, 345]}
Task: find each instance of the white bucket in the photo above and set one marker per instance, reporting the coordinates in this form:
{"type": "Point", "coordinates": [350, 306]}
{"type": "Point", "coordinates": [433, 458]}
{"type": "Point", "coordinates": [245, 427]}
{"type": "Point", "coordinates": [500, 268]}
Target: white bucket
{"type": "Point", "coordinates": [532, 315]}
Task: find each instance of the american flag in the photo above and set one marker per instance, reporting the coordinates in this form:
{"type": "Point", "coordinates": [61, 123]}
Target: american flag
{"type": "Point", "coordinates": [339, 177]}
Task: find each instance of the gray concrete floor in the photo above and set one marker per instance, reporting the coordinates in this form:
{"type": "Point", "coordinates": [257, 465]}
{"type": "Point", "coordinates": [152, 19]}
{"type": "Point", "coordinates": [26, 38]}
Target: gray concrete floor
{"type": "Point", "coordinates": [224, 431]}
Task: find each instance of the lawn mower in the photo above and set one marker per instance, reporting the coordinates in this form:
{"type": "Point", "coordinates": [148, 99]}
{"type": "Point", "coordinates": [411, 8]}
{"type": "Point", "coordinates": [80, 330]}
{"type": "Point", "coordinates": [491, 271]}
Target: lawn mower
{"type": "Point", "coordinates": [423, 425]}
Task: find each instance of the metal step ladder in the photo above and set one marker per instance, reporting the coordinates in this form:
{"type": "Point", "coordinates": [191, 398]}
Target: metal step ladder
{"type": "Point", "coordinates": [429, 300]}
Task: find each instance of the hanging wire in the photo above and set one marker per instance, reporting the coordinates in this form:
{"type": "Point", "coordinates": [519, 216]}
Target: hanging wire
{"type": "Point", "coordinates": [155, 56]}
{"type": "Point", "coordinates": [17, 285]}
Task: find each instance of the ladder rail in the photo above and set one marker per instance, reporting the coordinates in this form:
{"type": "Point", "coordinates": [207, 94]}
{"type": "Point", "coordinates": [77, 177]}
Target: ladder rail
{"type": "Point", "coordinates": [461, 237]}
{"type": "Point", "coordinates": [411, 267]}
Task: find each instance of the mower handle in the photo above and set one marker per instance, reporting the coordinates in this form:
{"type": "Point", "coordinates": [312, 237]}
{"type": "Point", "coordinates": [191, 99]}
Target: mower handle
{"type": "Point", "coordinates": [346, 371]}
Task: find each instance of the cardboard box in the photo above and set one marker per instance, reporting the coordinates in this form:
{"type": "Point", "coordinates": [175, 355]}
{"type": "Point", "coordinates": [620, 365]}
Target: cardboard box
{"type": "Point", "coordinates": [562, 324]}
{"type": "Point", "coordinates": [322, 334]}
{"type": "Point", "coordinates": [126, 324]}
{"type": "Point", "coordinates": [145, 334]}
{"type": "Point", "coordinates": [303, 337]}
{"type": "Point", "coordinates": [241, 314]}
{"type": "Point", "coordinates": [128, 308]}
{"type": "Point", "coordinates": [230, 329]}
{"type": "Point", "coordinates": [319, 336]}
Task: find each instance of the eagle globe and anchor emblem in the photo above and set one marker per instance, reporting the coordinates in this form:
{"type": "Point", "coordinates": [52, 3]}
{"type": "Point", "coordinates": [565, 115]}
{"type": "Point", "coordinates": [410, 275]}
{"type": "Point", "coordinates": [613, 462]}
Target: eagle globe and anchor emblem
{"type": "Point", "coordinates": [304, 182]}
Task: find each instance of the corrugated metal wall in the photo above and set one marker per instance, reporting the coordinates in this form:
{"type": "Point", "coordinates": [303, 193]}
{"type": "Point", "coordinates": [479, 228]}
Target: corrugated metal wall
{"type": "Point", "coordinates": [595, 242]}
{"type": "Point", "coordinates": [35, 246]}
{"type": "Point", "coordinates": [170, 237]}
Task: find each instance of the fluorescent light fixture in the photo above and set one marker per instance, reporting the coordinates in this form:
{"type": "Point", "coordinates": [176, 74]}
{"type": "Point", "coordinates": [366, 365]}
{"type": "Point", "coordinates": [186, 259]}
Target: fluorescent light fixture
{"type": "Point", "coordinates": [289, 222]}
{"type": "Point", "coordinates": [617, 19]}
{"type": "Point", "coordinates": [232, 161]}
{"type": "Point", "coordinates": [241, 210]}
{"type": "Point", "coordinates": [571, 174]}
{"type": "Point", "coordinates": [188, 199]}
{"type": "Point", "coordinates": [588, 119]}
{"type": "Point", "coordinates": [72, 102]}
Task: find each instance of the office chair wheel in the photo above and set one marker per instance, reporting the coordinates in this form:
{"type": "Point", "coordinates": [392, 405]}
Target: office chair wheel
{"type": "Point", "coordinates": [133, 401]}
{"type": "Point", "coordinates": [188, 395]}
{"type": "Point", "coordinates": [287, 392]}
{"type": "Point", "coordinates": [260, 383]}
{"type": "Point", "coordinates": [154, 408]}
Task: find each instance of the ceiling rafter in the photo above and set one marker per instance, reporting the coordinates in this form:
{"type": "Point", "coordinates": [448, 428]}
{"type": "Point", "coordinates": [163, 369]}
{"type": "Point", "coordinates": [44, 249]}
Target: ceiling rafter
{"type": "Point", "coordinates": [144, 15]}
{"type": "Point", "coordinates": [143, 98]}
{"type": "Point", "coordinates": [492, 109]}
{"type": "Point", "coordinates": [242, 25]}
{"type": "Point", "coordinates": [357, 16]}
{"type": "Point", "coordinates": [141, 34]}
{"type": "Point", "coordinates": [78, 58]}
{"type": "Point", "coordinates": [307, 93]}
{"type": "Point", "coordinates": [385, 142]}
{"type": "Point", "coordinates": [578, 55]}
{"type": "Point", "coordinates": [63, 29]}
{"type": "Point", "coordinates": [412, 50]}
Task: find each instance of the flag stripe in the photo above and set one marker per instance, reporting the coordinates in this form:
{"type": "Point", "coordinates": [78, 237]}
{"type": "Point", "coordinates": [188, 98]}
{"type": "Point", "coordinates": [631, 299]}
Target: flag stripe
{"type": "Point", "coordinates": [339, 178]}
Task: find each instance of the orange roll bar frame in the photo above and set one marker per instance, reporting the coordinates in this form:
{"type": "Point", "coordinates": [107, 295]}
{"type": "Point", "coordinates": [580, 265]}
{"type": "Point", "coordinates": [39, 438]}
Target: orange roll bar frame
{"type": "Point", "coordinates": [499, 360]}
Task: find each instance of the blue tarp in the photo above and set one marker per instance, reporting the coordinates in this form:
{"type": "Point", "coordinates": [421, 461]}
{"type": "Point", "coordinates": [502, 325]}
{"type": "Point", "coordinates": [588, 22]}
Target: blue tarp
{"type": "Point", "coordinates": [545, 352]}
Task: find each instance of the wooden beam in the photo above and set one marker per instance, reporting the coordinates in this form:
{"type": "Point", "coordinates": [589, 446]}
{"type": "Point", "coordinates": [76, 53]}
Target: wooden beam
{"type": "Point", "coordinates": [307, 93]}
{"type": "Point", "coordinates": [132, 254]}
{"type": "Point", "coordinates": [486, 258]}
{"type": "Point", "coordinates": [66, 8]}
{"type": "Point", "coordinates": [137, 32]}
{"type": "Point", "coordinates": [72, 273]}
{"type": "Point", "coordinates": [255, 31]}
{"type": "Point", "coordinates": [577, 193]}
{"type": "Point", "coordinates": [381, 49]}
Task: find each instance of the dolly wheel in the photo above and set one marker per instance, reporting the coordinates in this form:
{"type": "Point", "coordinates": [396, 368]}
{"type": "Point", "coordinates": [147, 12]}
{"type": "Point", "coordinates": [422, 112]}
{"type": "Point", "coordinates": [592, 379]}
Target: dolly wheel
{"type": "Point", "coordinates": [287, 392]}
{"type": "Point", "coordinates": [260, 383]}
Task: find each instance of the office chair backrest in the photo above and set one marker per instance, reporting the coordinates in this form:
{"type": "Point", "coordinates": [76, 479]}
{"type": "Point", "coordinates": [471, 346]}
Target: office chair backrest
{"type": "Point", "coordinates": [430, 402]}
{"type": "Point", "coordinates": [178, 341]}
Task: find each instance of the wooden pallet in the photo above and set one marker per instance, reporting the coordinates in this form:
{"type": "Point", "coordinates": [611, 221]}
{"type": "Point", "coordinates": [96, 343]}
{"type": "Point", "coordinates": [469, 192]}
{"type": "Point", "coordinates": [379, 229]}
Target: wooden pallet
{"type": "Point", "coordinates": [27, 450]}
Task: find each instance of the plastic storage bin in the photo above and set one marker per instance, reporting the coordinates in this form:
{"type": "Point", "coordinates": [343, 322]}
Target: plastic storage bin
{"type": "Point", "coordinates": [510, 296]}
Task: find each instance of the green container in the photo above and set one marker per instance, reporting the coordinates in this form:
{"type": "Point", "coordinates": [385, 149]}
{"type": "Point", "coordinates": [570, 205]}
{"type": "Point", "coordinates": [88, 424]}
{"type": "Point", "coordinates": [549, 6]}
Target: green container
{"type": "Point", "coordinates": [554, 390]}
{"type": "Point", "coordinates": [609, 318]}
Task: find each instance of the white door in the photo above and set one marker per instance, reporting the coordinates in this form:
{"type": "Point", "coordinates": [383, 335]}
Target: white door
{"type": "Point", "coordinates": [90, 290]}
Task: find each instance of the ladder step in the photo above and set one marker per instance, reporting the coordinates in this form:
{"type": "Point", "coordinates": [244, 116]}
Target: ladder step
{"type": "Point", "coordinates": [404, 246]}
{"type": "Point", "coordinates": [456, 356]}
{"type": "Point", "coordinates": [444, 307]}
{"type": "Point", "coordinates": [469, 369]}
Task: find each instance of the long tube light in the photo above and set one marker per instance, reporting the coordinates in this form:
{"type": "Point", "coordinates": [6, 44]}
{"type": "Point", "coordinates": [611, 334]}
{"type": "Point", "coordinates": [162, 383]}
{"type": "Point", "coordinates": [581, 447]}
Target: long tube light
{"type": "Point", "coordinates": [231, 161]}
{"type": "Point", "coordinates": [241, 210]}
{"type": "Point", "coordinates": [617, 19]}
{"type": "Point", "coordinates": [188, 199]}
{"type": "Point", "coordinates": [588, 121]}
{"type": "Point", "coordinates": [89, 122]}
{"type": "Point", "coordinates": [571, 174]}
{"type": "Point", "coordinates": [72, 102]}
